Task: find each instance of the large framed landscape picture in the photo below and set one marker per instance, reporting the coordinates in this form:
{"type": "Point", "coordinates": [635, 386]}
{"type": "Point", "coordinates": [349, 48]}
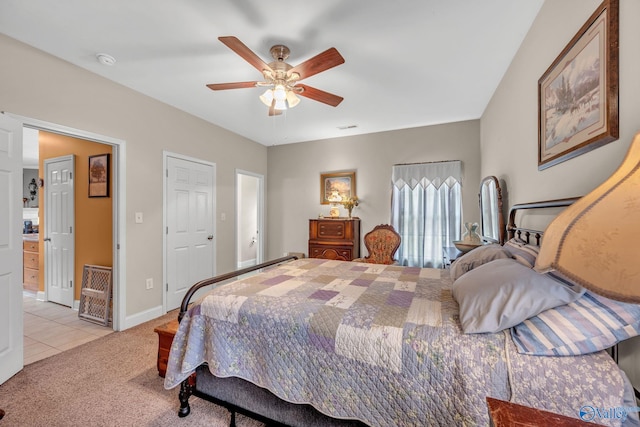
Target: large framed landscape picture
{"type": "Point", "coordinates": [578, 94]}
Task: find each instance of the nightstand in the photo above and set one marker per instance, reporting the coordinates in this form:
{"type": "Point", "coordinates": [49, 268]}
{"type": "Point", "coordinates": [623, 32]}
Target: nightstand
{"type": "Point", "coordinates": [449, 254]}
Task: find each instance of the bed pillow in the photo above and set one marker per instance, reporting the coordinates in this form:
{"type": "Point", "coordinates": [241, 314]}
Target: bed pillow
{"type": "Point", "coordinates": [523, 252]}
{"type": "Point", "coordinates": [477, 257]}
{"type": "Point", "coordinates": [503, 293]}
{"type": "Point", "coordinates": [587, 325]}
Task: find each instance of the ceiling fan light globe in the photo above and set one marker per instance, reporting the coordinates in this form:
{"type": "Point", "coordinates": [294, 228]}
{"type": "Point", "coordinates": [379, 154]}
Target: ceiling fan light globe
{"type": "Point", "coordinates": [280, 93]}
{"type": "Point", "coordinates": [292, 99]}
{"type": "Point", "coordinates": [280, 104]}
{"type": "Point", "coordinates": [267, 97]}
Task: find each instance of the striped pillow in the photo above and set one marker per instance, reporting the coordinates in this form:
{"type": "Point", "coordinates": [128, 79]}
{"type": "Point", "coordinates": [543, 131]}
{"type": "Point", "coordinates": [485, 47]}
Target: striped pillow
{"type": "Point", "coordinates": [523, 252]}
{"type": "Point", "coordinates": [589, 324]}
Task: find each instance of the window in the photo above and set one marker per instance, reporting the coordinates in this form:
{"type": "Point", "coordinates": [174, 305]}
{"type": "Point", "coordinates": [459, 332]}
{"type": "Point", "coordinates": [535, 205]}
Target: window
{"type": "Point", "coordinates": [426, 210]}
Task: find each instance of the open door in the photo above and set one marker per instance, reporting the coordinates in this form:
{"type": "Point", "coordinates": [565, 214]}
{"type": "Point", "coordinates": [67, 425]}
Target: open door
{"type": "Point", "coordinates": [59, 240]}
{"type": "Point", "coordinates": [249, 219]}
{"type": "Point", "coordinates": [11, 351]}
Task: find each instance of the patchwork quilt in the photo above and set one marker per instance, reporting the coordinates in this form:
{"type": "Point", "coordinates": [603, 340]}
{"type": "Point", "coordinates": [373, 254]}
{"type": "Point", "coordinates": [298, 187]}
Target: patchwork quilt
{"type": "Point", "coordinates": [377, 343]}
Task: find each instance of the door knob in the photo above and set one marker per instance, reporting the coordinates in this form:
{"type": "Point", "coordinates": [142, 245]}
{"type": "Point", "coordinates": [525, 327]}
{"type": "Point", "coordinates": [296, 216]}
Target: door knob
{"type": "Point", "coordinates": [210, 237]}
{"type": "Point", "coordinates": [47, 239]}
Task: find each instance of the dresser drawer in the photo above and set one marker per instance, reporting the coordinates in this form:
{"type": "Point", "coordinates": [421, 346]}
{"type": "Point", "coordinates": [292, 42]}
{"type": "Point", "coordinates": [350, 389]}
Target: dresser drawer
{"type": "Point", "coordinates": [29, 245]}
{"type": "Point", "coordinates": [331, 229]}
{"type": "Point", "coordinates": [340, 254]}
{"type": "Point", "coordinates": [30, 260]}
{"type": "Point", "coordinates": [30, 276]}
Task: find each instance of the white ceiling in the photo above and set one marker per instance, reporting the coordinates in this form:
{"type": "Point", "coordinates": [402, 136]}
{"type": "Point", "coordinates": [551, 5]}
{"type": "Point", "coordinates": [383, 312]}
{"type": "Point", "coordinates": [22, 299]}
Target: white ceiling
{"type": "Point", "coordinates": [408, 63]}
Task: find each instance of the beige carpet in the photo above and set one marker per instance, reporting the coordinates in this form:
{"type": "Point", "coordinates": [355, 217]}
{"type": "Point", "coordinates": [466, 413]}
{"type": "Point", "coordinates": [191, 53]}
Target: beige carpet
{"type": "Point", "coordinates": [112, 381]}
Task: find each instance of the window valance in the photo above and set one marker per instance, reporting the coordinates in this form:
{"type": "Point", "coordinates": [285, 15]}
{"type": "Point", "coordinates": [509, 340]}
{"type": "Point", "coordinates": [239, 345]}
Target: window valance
{"type": "Point", "coordinates": [425, 174]}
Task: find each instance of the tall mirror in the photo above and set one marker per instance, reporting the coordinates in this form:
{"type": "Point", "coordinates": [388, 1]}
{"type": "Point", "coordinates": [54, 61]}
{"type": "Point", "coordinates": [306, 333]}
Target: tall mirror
{"type": "Point", "coordinates": [491, 217]}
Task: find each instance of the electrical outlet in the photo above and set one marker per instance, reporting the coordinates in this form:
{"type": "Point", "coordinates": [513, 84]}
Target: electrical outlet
{"type": "Point", "coordinates": [223, 216]}
{"type": "Point", "coordinates": [149, 283]}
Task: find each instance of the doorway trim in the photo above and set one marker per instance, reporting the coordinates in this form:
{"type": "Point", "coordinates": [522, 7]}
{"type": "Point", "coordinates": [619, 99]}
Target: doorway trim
{"type": "Point", "coordinates": [119, 205]}
{"type": "Point", "coordinates": [261, 233]}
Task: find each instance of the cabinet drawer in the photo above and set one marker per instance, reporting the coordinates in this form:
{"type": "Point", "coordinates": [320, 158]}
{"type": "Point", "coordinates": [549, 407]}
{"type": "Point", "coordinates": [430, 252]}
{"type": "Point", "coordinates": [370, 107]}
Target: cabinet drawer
{"type": "Point", "coordinates": [30, 276]}
{"type": "Point", "coordinates": [30, 260]}
{"type": "Point", "coordinates": [340, 254]}
{"type": "Point", "coordinates": [331, 229]}
{"type": "Point", "coordinates": [30, 246]}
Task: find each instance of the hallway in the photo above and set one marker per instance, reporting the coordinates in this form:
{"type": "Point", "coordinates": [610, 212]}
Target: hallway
{"type": "Point", "coordinates": [50, 329]}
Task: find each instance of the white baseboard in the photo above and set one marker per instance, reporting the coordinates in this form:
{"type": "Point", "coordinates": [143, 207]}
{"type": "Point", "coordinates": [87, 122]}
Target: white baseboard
{"type": "Point", "coordinates": [40, 296]}
{"type": "Point", "coordinates": [247, 263]}
{"type": "Point", "coordinates": [139, 318]}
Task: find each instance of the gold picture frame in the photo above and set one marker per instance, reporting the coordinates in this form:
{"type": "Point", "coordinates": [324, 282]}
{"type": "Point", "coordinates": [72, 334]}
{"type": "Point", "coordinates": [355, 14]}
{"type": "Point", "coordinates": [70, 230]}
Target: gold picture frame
{"type": "Point", "coordinates": [578, 94]}
{"type": "Point", "coordinates": [342, 182]}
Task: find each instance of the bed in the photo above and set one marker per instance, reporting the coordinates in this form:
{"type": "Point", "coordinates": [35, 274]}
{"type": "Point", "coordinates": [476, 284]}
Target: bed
{"type": "Point", "coordinates": [334, 343]}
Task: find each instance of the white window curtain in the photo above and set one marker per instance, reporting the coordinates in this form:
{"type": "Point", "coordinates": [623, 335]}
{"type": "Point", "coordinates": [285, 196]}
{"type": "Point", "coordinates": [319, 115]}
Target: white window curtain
{"type": "Point", "coordinates": [426, 210]}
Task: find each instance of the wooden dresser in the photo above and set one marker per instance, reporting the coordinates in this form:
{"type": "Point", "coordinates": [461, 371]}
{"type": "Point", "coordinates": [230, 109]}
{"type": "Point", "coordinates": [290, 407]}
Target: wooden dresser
{"type": "Point", "coordinates": [334, 238]}
{"type": "Point", "coordinates": [30, 259]}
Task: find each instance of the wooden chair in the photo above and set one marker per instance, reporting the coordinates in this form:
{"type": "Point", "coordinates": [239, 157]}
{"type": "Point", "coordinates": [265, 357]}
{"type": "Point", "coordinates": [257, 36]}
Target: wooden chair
{"type": "Point", "coordinates": [382, 243]}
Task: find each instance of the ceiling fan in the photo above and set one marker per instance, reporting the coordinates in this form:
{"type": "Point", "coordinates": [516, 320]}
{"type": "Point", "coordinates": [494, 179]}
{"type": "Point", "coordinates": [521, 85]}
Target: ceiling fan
{"type": "Point", "coordinates": [282, 79]}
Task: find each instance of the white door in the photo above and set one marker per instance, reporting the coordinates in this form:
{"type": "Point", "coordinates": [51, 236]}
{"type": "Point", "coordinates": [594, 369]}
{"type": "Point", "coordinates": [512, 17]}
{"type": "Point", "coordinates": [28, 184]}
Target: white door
{"type": "Point", "coordinates": [11, 352]}
{"type": "Point", "coordinates": [249, 219]}
{"type": "Point", "coordinates": [59, 241]}
{"type": "Point", "coordinates": [190, 217]}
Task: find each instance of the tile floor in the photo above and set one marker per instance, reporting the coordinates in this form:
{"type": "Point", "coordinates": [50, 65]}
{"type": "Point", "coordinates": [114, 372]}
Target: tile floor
{"type": "Point", "coordinates": [50, 329]}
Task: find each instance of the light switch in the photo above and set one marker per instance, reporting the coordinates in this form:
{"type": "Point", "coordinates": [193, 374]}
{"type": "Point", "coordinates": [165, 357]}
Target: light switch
{"type": "Point", "coordinates": [223, 216]}
{"type": "Point", "coordinates": [138, 217]}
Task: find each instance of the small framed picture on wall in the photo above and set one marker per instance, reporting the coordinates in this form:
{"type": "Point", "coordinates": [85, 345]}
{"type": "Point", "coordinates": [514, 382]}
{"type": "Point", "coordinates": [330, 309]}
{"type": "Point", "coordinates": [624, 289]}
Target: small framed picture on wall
{"type": "Point", "coordinates": [99, 175]}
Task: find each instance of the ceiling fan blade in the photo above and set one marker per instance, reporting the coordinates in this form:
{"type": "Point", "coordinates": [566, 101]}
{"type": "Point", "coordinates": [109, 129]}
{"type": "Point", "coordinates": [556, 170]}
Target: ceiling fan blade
{"type": "Point", "coordinates": [321, 62]}
{"type": "Point", "coordinates": [237, 85]}
{"type": "Point", "coordinates": [319, 95]}
{"type": "Point", "coordinates": [247, 54]}
{"type": "Point", "coordinates": [272, 109]}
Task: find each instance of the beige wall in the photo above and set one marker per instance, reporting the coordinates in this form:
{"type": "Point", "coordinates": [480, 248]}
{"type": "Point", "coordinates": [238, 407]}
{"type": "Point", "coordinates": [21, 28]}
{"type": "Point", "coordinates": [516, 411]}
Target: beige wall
{"type": "Point", "coordinates": [509, 135]}
{"type": "Point", "coordinates": [39, 86]}
{"type": "Point", "coordinates": [509, 124]}
{"type": "Point", "coordinates": [93, 216]}
{"type": "Point", "coordinates": [293, 182]}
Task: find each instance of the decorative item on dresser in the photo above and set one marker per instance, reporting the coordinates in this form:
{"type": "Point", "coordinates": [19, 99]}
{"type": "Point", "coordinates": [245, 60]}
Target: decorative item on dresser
{"type": "Point", "coordinates": [334, 238]}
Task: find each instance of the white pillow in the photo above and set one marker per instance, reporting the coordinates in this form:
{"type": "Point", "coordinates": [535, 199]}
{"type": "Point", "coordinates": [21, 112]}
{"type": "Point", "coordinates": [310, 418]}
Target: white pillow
{"type": "Point", "coordinates": [504, 293]}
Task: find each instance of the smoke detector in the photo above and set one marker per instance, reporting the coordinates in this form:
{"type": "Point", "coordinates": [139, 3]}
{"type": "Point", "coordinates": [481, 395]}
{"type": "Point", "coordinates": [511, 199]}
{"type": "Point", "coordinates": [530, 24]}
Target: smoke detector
{"type": "Point", "coordinates": [105, 59]}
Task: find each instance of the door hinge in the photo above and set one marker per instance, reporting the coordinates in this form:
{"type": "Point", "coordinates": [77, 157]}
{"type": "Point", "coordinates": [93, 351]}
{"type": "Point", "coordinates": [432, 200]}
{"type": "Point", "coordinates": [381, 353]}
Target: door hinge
{"type": "Point", "coordinates": [167, 230]}
{"type": "Point", "coordinates": [70, 230]}
{"type": "Point", "coordinates": [71, 283]}
{"type": "Point", "coordinates": [118, 246]}
{"type": "Point", "coordinates": [167, 172]}
{"type": "Point", "coordinates": [167, 287]}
